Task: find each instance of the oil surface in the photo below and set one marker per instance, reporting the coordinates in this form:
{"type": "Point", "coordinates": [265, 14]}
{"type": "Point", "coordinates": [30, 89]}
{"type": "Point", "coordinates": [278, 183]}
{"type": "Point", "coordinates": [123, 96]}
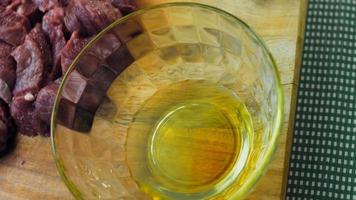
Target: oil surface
{"type": "Point", "coordinates": [190, 140]}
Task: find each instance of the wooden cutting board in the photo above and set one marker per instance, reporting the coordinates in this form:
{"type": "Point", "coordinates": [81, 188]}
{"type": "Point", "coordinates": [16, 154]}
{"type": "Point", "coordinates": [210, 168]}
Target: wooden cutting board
{"type": "Point", "coordinates": [29, 172]}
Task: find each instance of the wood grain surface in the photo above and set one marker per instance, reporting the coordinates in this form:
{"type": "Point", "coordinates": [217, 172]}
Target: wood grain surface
{"type": "Point", "coordinates": [29, 172]}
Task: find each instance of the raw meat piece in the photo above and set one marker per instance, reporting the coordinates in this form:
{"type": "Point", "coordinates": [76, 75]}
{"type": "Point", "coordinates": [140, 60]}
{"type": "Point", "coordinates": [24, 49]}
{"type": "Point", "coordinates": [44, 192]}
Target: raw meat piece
{"type": "Point", "coordinates": [51, 19]}
{"type": "Point", "coordinates": [13, 27]}
{"type": "Point", "coordinates": [23, 111]}
{"type": "Point", "coordinates": [86, 88]}
{"type": "Point", "coordinates": [7, 72]}
{"type": "Point", "coordinates": [26, 8]}
{"type": "Point", "coordinates": [52, 25]}
{"type": "Point", "coordinates": [120, 60]}
{"type": "Point", "coordinates": [63, 2]}
{"type": "Point", "coordinates": [5, 50]}
{"type": "Point", "coordinates": [7, 130]}
{"type": "Point", "coordinates": [30, 67]}
{"type": "Point", "coordinates": [71, 49]}
{"type": "Point", "coordinates": [125, 6]}
{"type": "Point", "coordinates": [5, 2]}
{"type": "Point", "coordinates": [5, 92]}
{"type": "Point", "coordinates": [39, 37]}
{"type": "Point", "coordinates": [90, 16]}
{"type": "Point", "coordinates": [44, 102]}
{"type": "Point", "coordinates": [33, 58]}
{"type": "Point", "coordinates": [71, 21]}
{"type": "Point", "coordinates": [101, 13]}
{"type": "Point", "coordinates": [7, 65]}
{"type": "Point", "coordinates": [45, 5]}
{"type": "Point", "coordinates": [14, 4]}
{"type": "Point", "coordinates": [83, 16]}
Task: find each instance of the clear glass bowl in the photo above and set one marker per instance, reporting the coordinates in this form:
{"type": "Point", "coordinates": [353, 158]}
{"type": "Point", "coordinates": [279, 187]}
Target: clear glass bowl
{"type": "Point", "coordinates": [113, 135]}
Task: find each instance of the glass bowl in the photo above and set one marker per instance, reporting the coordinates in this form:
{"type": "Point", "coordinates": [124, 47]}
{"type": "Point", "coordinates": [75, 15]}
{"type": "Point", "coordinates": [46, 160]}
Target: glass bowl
{"type": "Point", "coordinates": [175, 101]}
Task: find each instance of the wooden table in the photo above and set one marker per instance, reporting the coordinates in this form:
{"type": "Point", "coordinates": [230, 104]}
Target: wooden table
{"type": "Point", "coordinates": [29, 172]}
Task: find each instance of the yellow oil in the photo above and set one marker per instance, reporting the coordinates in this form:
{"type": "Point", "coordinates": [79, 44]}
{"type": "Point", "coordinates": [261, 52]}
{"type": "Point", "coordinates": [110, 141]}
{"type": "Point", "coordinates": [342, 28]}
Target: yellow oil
{"type": "Point", "coordinates": [190, 140]}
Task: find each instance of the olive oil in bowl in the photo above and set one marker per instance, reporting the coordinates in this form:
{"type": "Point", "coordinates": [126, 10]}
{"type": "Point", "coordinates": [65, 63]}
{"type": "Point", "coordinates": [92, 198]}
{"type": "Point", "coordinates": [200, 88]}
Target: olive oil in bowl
{"type": "Point", "coordinates": [190, 140]}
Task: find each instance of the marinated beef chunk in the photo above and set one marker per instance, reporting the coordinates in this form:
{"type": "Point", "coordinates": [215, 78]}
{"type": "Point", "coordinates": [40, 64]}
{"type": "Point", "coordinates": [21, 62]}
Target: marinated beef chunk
{"type": "Point", "coordinates": [23, 111]}
{"type": "Point", "coordinates": [71, 49]}
{"type": "Point", "coordinates": [44, 102]}
{"type": "Point", "coordinates": [30, 67]}
{"type": "Point", "coordinates": [52, 25]}
{"type": "Point", "coordinates": [7, 129]}
{"type": "Point", "coordinates": [13, 27]}
{"type": "Point", "coordinates": [125, 6]}
{"type": "Point", "coordinates": [120, 60]}
{"type": "Point", "coordinates": [89, 16]}
{"type": "Point", "coordinates": [45, 5]}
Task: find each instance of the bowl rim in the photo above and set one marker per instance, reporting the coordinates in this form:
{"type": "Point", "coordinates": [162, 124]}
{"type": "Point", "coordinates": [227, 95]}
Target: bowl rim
{"type": "Point", "coordinates": [261, 169]}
